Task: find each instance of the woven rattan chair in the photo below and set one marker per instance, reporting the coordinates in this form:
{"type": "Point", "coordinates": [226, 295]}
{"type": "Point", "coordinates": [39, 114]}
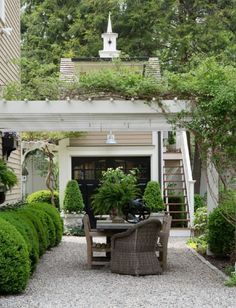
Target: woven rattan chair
{"type": "Point", "coordinates": [162, 243]}
{"type": "Point", "coordinates": [93, 247]}
{"type": "Point", "coordinates": [133, 251]}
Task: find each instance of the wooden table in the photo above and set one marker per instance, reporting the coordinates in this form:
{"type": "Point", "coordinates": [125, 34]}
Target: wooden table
{"type": "Point", "coordinates": [108, 225]}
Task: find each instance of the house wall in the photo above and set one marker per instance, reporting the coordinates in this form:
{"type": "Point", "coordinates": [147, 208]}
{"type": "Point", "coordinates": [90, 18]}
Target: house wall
{"type": "Point", "coordinates": [10, 45]}
{"type": "Point", "coordinates": [93, 144]}
{"type": "Point", "coordinates": [9, 71]}
{"type": "Point", "coordinates": [122, 138]}
{"type": "Point", "coordinates": [14, 161]}
{"type": "Point", "coordinates": [34, 181]}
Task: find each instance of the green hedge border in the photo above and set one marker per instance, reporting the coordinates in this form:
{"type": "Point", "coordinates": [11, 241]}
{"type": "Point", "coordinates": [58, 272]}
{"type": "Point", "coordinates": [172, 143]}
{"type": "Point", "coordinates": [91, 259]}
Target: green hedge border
{"type": "Point", "coordinates": [26, 232]}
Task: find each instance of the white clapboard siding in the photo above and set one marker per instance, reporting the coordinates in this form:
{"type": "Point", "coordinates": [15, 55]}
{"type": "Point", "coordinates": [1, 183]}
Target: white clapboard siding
{"type": "Point", "coordinates": [122, 138]}
{"type": "Point", "coordinates": [14, 161]}
{"type": "Point", "coordinates": [10, 45]}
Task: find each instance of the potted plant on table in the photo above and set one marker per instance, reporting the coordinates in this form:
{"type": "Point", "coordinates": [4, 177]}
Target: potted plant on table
{"type": "Point", "coordinates": [73, 205]}
{"type": "Point", "coordinates": [7, 179]}
{"type": "Point", "coordinates": [116, 190]}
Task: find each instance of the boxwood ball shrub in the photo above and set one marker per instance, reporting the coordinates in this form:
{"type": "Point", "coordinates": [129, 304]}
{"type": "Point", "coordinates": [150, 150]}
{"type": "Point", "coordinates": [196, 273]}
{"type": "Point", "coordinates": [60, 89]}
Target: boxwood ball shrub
{"type": "Point", "coordinates": [25, 227]}
{"type": "Point", "coordinates": [55, 216]}
{"type": "Point", "coordinates": [48, 225]}
{"type": "Point", "coordinates": [221, 238]}
{"type": "Point", "coordinates": [43, 196]}
{"type": "Point", "coordinates": [152, 197]}
{"type": "Point", "coordinates": [73, 200]}
{"type": "Point", "coordinates": [14, 260]}
{"type": "Point", "coordinates": [39, 227]}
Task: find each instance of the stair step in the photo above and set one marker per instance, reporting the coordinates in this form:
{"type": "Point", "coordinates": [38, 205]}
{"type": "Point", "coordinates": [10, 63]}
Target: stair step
{"type": "Point", "coordinates": [176, 212]}
{"type": "Point", "coordinates": [176, 188]}
{"type": "Point", "coordinates": [175, 203]}
{"type": "Point", "coordinates": [174, 196]}
{"type": "Point", "coordinates": [173, 173]}
{"type": "Point", "coordinates": [173, 166]}
{"type": "Point", "coordinates": [174, 181]}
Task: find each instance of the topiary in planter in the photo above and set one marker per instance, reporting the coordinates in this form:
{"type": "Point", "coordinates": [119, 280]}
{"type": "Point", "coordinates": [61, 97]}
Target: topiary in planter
{"type": "Point", "coordinates": [152, 197]}
{"type": "Point", "coordinates": [25, 227]}
{"type": "Point", "coordinates": [14, 260]}
{"type": "Point", "coordinates": [43, 196]}
{"type": "Point", "coordinates": [55, 216]}
{"type": "Point", "coordinates": [73, 200]}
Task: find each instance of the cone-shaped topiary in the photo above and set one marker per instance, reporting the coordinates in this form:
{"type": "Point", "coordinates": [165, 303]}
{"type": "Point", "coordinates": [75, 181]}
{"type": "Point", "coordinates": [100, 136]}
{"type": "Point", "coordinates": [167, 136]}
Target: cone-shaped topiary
{"type": "Point", "coordinates": [73, 200]}
{"type": "Point", "coordinates": [152, 197]}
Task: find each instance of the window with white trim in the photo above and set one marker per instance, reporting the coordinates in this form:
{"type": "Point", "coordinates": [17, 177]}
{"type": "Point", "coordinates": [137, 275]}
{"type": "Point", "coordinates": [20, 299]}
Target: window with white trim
{"type": "Point", "coordinates": [2, 10]}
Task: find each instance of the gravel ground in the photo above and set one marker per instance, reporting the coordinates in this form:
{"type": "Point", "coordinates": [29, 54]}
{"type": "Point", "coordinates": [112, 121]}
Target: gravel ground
{"type": "Point", "coordinates": [62, 280]}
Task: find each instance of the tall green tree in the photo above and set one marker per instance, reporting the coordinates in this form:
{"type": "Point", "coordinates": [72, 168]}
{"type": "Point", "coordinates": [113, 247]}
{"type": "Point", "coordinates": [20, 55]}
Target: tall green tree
{"type": "Point", "coordinates": [175, 30]}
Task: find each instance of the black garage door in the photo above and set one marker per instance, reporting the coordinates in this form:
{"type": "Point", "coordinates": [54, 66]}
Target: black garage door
{"type": "Point", "coordinates": [88, 170]}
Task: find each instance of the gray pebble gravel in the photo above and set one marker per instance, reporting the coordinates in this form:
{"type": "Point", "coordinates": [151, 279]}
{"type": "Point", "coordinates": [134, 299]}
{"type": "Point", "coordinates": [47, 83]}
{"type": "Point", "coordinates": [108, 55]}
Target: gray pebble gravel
{"type": "Point", "coordinates": [63, 281]}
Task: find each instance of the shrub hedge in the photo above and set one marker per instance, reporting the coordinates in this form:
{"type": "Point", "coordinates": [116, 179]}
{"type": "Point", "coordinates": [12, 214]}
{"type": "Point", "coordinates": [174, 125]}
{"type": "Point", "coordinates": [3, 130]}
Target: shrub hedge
{"type": "Point", "coordinates": [14, 260]}
{"type": "Point", "coordinates": [43, 196]}
{"type": "Point", "coordinates": [28, 232]}
{"type": "Point", "coordinates": [25, 234]}
{"type": "Point", "coordinates": [42, 234]}
{"type": "Point", "coordinates": [221, 237]}
{"type": "Point", "coordinates": [55, 216]}
{"type": "Point", "coordinates": [48, 225]}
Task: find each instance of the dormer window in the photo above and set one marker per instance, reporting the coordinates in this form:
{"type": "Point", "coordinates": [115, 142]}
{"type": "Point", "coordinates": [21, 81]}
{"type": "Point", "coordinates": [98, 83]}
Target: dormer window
{"type": "Point", "coordinates": [2, 11]}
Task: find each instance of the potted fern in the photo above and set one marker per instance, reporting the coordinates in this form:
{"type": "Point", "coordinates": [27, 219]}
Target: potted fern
{"type": "Point", "coordinates": [116, 190]}
{"type": "Point", "coordinates": [8, 179]}
{"type": "Point", "coordinates": [73, 205]}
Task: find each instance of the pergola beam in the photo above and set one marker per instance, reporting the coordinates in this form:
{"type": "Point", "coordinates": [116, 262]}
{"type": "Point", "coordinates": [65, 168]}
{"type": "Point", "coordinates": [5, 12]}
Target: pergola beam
{"type": "Point", "coordinates": [97, 115]}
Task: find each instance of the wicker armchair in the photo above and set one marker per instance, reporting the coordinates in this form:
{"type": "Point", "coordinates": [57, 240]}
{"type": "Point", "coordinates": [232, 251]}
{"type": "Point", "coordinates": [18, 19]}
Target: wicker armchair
{"type": "Point", "coordinates": [133, 251]}
{"type": "Point", "coordinates": [95, 247]}
{"type": "Point", "coordinates": [162, 243]}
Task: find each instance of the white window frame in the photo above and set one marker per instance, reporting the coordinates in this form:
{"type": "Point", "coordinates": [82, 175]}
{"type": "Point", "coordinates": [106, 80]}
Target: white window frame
{"type": "Point", "coordinates": [2, 11]}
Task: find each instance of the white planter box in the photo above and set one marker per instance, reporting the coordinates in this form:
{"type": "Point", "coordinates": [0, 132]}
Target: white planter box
{"type": "Point", "coordinates": [72, 220]}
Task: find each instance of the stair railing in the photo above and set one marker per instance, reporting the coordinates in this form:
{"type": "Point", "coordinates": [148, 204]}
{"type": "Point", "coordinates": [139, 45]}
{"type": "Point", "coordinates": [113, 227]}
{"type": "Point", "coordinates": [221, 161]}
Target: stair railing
{"type": "Point", "coordinates": [183, 143]}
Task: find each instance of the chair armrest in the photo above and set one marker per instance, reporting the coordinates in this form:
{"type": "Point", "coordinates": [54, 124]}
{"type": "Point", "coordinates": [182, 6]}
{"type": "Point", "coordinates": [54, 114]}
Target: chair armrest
{"type": "Point", "coordinates": [97, 234]}
{"type": "Point", "coordinates": [164, 236]}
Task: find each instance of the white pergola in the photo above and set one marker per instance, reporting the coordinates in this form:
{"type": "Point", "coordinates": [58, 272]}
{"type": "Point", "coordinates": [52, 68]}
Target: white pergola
{"type": "Point", "coordinates": [89, 115]}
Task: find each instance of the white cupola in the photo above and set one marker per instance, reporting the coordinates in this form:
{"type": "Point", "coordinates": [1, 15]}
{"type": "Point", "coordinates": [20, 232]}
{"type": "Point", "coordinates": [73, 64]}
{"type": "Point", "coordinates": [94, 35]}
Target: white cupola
{"type": "Point", "coordinates": [109, 42]}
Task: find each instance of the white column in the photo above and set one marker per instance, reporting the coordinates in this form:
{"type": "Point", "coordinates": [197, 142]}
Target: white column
{"type": "Point", "coordinates": [154, 158]}
{"type": "Point", "coordinates": [212, 187]}
{"type": "Point", "coordinates": [191, 201]}
{"type": "Point", "coordinates": [64, 167]}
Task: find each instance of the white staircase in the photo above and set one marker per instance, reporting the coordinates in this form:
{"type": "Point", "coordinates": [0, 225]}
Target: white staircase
{"type": "Point", "coordinates": [174, 189]}
{"type": "Point", "coordinates": [178, 185]}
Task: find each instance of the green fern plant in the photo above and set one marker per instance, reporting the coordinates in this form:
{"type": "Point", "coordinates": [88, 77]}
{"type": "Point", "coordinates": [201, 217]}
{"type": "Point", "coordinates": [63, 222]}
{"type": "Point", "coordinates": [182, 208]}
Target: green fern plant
{"type": "Point", "coordinates": [116, 190]}
{"type": "Point", "coordinates": [7, 176]}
